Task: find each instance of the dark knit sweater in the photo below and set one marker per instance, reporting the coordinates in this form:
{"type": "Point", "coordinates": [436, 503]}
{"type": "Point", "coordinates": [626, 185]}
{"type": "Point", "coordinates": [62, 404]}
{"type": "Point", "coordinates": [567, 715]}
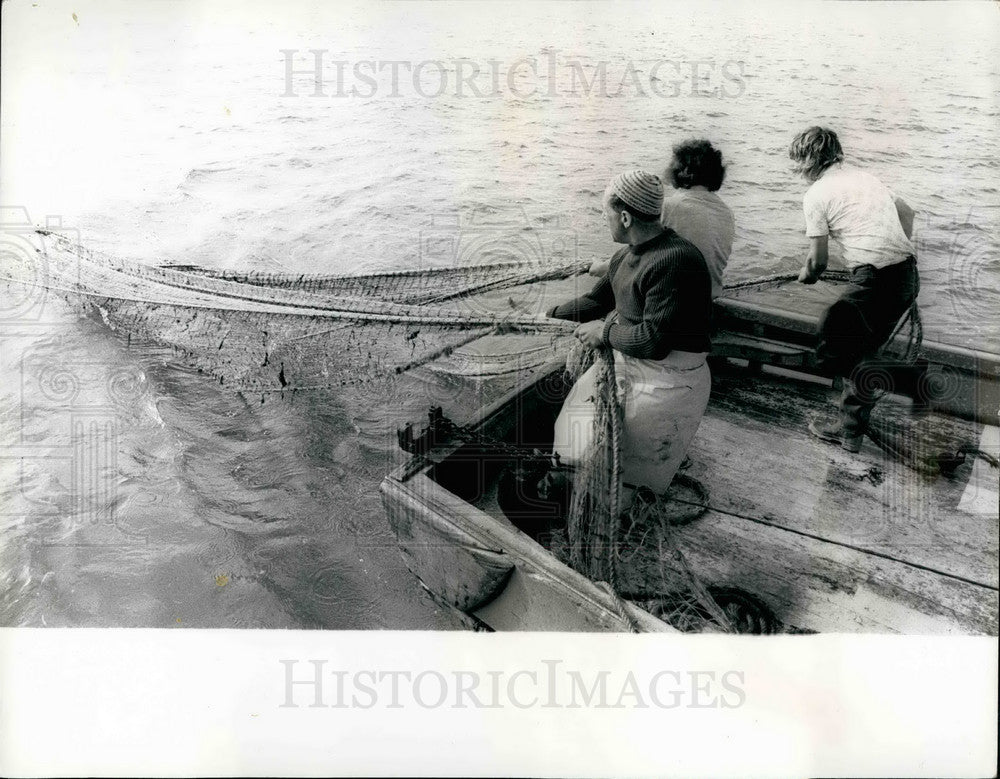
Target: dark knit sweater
{"type": "Point", "coordinates": [660, 292]}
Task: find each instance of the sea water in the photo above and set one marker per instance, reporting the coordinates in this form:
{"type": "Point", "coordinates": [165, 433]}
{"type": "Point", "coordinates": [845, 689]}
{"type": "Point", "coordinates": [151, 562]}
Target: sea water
{"type": "Point", "coordinates": [175, 134]}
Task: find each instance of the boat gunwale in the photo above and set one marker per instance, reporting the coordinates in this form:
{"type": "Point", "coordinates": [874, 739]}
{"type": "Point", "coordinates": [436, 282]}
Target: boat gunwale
{"type": "Point", "coordinates": [437, 502]}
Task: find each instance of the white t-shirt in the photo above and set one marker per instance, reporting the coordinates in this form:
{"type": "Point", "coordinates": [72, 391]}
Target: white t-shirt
{"type": "Point", "coordinates": [701, 217]}
{"type": "Point", "coordinates": [858, 212]}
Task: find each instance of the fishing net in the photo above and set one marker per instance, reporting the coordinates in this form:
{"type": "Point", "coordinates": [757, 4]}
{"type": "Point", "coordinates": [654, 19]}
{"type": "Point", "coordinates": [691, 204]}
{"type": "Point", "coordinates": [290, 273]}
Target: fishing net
{"type": "Point", "coordinates": [619, 547]}
{"type": "Point", "coordinates": [276, 332]}
{"type": "Point", "coordinates": [596, 486]}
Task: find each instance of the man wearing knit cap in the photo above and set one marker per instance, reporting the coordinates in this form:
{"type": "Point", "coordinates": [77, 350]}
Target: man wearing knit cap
{"type": "Point", "coordinates": [653, 308]}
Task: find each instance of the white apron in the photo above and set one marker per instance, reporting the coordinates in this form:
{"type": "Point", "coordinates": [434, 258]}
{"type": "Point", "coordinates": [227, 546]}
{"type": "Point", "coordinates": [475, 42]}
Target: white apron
{"type": "Point", "coordinates": [664, 401]}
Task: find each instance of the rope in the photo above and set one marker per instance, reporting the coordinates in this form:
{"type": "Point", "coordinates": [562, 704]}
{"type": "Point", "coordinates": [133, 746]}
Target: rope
{"type": "Point", "coordinates": [777, 280]}
{"type": "Point", "coordinates": [914, 338]}
{"type": "Point", "coordinates": [648, 506]}
{"type": "Point", "coordinates": [621, 608]}
{"type": "Point", "coordinates": [614, 414]}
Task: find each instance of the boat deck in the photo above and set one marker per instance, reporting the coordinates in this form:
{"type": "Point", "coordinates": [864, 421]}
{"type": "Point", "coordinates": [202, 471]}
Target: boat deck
{"type": "Point", "coordinates": [829, 540]}
{"type": "Point", "coordinates": [839, 541]}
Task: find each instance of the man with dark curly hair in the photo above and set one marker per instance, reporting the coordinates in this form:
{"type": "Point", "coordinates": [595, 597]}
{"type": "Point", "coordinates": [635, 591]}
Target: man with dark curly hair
{"type": "Point", "coordinates": [873, 228]}
{"type": "Point", "coordinates": [694, 210]}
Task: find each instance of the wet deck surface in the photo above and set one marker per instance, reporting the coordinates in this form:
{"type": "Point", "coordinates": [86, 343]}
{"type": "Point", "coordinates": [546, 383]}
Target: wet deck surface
{"type": "Point", "coordinates": [841, 541]}
{"type": "Point", "coordinates": [754, 450]}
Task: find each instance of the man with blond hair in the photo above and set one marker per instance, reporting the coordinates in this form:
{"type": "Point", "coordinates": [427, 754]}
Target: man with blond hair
{"type": "Point", "coordinates": [873, 228]}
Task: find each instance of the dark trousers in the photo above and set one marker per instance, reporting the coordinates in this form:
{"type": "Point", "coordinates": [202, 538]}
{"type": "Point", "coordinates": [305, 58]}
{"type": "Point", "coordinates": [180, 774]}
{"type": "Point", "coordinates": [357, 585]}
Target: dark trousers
{"type": "Point", "coordinates": [855, 326]}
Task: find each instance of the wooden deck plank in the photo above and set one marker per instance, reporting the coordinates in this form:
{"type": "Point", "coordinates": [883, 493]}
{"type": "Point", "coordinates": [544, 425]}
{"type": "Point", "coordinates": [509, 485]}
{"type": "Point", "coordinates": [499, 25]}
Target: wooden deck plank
{"type": "Point", "coordinates": [817, 585]}
{"type": "Point", "coordinates": [869, 501]}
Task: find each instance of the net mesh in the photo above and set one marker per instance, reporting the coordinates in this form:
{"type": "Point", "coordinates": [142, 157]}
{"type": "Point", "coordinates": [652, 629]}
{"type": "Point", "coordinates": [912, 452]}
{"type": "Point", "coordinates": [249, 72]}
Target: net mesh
{"type": "Point", "coordinates": [279, 332]}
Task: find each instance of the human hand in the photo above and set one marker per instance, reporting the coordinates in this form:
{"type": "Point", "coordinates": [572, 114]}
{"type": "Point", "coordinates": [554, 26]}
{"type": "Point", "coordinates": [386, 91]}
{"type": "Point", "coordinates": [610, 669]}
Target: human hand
{"type": "Point", "coordinates": [590, 334]}
{"type": "Point", "coordinates": [806, 277]}
{"type": "Point", "coordinates": [599, 268]}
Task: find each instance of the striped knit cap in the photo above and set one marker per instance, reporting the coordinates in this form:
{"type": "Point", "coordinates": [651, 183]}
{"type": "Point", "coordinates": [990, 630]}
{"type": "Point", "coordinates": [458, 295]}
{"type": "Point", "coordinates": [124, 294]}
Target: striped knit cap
{"type": "Point", "coordinates": [639, 190]}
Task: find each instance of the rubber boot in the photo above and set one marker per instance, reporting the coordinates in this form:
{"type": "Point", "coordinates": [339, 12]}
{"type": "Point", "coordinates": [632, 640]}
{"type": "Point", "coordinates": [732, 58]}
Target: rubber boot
{"type": "Point", "coordinates": [855, 411]}
{"type": "Point", "coordinates": [852, 423]}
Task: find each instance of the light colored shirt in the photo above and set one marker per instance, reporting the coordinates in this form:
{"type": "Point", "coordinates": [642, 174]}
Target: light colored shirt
{"type": "Point", "coordinates": [703, 219]}
{"type": "Point", "coordinates": [858, 212]}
